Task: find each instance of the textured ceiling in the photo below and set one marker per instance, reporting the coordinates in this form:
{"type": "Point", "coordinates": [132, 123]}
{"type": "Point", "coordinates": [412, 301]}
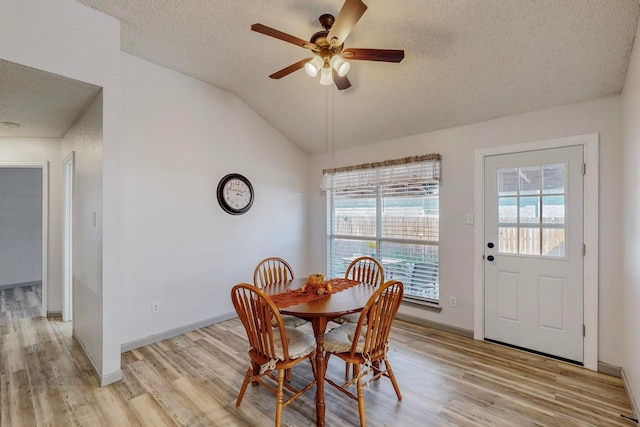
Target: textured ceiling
{"type": "Point", "coordinates": [465, 60]}
{"type": "Point", "coordinates": [43, 104]}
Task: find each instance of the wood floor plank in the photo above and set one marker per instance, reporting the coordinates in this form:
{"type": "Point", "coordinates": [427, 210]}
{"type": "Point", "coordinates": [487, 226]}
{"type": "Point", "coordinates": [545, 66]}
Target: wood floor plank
{"type": "Point", "coordinates": [114, 408]}
{"type": "Point", "coordinates": [149, 413]}
{"type": "Point", "coordinates": [21, 411]}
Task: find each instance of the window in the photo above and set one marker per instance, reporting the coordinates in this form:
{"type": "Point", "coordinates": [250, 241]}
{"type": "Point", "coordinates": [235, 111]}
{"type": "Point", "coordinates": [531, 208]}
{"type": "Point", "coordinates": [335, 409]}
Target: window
{"type": "Point", "coordinates": [390, 211]}
{"type": "Point", "coordinates": [531, 210]}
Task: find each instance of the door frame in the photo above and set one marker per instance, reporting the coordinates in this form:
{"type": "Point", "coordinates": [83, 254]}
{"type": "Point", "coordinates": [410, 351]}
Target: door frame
{"type": "Point", "coordinates": [67, 287]}
{"type": "Point", "coordinates": [590, 143]}
{"type": "Point", "coordinates": [45, 223]}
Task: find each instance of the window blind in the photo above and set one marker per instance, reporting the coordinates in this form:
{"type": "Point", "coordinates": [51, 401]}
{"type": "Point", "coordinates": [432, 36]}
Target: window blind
{"type": "Point", "coordinates": [390, 211]}
{"type": "Point", "coordinates": [410, 170]}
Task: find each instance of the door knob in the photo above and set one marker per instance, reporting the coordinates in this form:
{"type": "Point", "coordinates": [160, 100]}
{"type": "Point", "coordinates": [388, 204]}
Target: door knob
{"type": "Point", "coordinates": [490, 258]}
{"type": "Point", "coordinates": [490, 245]}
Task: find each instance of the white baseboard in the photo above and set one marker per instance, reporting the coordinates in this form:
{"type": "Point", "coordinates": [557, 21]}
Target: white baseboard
{"type": "Point", "coordinates": [110, 378]}
{"type": "Point", "coordinates": [612, 370]}
{"type": "Point", "coordinates": [103, 380]}
{"type": "Point", "coordinates": [435, 325]}
{"type": "Point", "coordinates": [175, 332]}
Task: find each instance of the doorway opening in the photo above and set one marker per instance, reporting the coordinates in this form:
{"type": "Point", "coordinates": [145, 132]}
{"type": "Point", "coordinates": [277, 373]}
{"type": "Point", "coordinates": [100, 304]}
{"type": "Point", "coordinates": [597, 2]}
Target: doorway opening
{"type": "Point", "coordinates": [25, 247]}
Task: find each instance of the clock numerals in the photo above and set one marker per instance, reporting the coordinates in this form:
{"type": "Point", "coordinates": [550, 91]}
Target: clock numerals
{"type": "Point", "coordinates": [237, 194]}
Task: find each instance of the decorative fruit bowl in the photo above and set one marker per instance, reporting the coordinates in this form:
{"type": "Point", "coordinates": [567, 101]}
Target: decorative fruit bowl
{"type": "Point", "coordinates": [316, 284]}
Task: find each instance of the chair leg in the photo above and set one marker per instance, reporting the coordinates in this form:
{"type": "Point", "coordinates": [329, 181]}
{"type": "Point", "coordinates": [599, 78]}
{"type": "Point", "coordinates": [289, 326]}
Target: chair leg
{"type": "Point", "coordinates": [256, 372]}
{"type": "Point", "coordinates": [279, 395]}
{"type": "Point", "coordinates": [245, 383]}
{"type": "Point", "coordinates": [363, 422]}
{"type": "Point", "coordinates": [288, 375]}
{"type": "Point", "coordinates": [346, 372]}
{"type": "Point", "coordinates": [376, 368]}
{"type": "Point", "coordinates": [392, 378]}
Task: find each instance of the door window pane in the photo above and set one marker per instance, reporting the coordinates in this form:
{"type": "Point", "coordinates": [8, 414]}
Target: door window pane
{"type": "Point", "coordinates": [508, 210]}
{"type": "Point", "coordinates": [508, 182]}
{"type": "Point", "coordinates": [530, 180]}
{"type": "Point", "coordinates": [528, 198]}
{"type": "Point", "coordinates": [553, 209]}
{"type": "Point", "coordinates": [508, 240]}
{"type": "Point", "coordinates": [553, 179]}
{"type": "Point", "coordinates": [553, 242]}
{"type": "Point", "coordinates": [530, 210]}
{"type": "Point", "coordinates": [529, 241]}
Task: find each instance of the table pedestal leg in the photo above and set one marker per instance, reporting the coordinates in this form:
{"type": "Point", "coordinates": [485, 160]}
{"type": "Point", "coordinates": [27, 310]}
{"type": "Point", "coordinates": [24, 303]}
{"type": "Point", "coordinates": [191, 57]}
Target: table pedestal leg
{"type": "Point", "coordinates": [319, 327]}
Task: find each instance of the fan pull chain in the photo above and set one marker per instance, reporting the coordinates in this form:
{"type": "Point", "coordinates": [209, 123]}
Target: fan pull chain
{"type": "Point", "coordinates": [329, 130]}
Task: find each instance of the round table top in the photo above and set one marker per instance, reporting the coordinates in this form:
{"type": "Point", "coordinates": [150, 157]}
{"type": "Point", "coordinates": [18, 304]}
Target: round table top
{"type": "Point", "coordinates": [351, 300]}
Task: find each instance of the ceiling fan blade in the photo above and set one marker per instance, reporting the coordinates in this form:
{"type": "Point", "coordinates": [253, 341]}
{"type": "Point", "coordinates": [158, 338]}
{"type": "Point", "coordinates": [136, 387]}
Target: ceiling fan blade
{"type": "Point", "coordinates": [384, 55]}
{"type": "Point", "coordinates": [290, 69]}
{"type": "Point", "coordinates": [342, 83]}
{"type": "Point", "coordinates": [349, 15]}
{"type": "Point", "coordinates": [272, 32]}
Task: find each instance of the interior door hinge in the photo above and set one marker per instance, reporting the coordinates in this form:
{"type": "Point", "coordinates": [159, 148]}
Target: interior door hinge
{"type": "Point", "coordinates": [584, 330]}
{"type": "Point", "coordinates": [584, 249]}
{"type": "Point", "coordinates": [584, 169]}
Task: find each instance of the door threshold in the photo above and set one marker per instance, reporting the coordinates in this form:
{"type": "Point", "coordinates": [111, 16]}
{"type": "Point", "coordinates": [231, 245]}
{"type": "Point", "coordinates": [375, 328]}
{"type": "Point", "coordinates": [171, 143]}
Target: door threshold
{"type": "Point", "coordinates": [539, 353]}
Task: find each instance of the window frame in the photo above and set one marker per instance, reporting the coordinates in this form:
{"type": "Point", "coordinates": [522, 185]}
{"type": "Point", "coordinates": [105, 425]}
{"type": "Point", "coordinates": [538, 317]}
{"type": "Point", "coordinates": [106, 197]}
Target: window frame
{"type": "Point", "coordinates": [379, 240]}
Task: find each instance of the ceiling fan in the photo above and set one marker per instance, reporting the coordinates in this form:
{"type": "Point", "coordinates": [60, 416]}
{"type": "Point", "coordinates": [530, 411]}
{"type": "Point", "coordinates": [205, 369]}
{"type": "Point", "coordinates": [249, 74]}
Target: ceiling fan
{"type": "Point", "coordinates": [328, 47]}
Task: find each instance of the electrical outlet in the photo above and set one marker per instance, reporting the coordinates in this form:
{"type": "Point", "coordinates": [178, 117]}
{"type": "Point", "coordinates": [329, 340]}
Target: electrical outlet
{"type": "Point", "coordinates": [155, 307]}
{"type": "Point", "coordinates": [452, 301]}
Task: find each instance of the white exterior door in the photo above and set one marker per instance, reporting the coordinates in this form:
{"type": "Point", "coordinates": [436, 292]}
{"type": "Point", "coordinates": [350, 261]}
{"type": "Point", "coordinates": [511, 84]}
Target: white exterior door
{"type": "Point", "coordinates": [533, 266]}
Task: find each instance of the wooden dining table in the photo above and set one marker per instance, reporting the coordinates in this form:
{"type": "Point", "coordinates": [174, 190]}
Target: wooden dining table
{"type": "Point", "coordinates": [320, 312]}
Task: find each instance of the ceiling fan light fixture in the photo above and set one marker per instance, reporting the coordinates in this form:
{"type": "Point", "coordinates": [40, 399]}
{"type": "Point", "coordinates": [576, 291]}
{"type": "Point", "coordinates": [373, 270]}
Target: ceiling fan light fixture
{"type": "Point", "coordinates": [340, 65]}
{"type": "Point", "coordinates": [313, 67]}
{"type": "Point", "coordinates": [325, 76]}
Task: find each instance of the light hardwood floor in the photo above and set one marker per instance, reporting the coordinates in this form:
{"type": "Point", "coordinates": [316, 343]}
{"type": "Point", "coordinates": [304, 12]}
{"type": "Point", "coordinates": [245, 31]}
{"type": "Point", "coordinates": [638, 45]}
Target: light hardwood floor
{"type": "Point", "coordinates": [193, 380]}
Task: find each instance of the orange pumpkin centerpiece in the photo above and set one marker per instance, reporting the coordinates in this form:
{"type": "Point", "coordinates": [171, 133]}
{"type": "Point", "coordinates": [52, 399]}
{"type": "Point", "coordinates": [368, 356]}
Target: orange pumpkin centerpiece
{"type": "Point", "coordinates": [316, 284]}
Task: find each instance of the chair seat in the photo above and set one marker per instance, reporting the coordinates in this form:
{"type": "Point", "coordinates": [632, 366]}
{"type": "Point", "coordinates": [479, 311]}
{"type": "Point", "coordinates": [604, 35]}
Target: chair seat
{"type": "Point", "coordinates": [348, 318]}
{"type": "Point", "coordinates": [340, 339]}
{"type": "Point", "coordinates": [300, 343]}
{"type": "Point", "coordinates": [293, 321]}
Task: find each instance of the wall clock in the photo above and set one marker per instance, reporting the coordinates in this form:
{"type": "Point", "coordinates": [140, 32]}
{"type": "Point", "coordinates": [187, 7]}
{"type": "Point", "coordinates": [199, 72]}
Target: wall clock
{"type": "Point", "coordinates": [235, 194]}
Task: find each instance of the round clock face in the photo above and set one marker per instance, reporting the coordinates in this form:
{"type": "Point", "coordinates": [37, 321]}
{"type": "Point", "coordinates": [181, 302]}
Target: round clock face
{"type": "Point", "coordinates": [235, 194]}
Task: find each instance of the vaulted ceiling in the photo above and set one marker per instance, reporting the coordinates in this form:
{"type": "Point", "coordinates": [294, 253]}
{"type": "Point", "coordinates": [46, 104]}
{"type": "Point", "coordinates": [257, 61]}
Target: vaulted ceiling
{"type": "Point", "coordinates": [465, 61]}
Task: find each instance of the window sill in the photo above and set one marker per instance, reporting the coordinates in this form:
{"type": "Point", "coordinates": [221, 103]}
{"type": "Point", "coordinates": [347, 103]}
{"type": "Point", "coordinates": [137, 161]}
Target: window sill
{"type": "Point", "coordinates": [428, 305]}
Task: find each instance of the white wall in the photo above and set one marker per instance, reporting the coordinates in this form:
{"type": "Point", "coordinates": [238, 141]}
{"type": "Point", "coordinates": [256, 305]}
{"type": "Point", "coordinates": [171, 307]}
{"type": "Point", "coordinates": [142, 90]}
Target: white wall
{"type": "Point", "coordinates": [179, 248]}
{"type": "Point", "coordinates": [85, 139]}
{"type": "Point", "coordinates": [20, 225]}
{"type": "Point", "coordinates": [69, 39]}
{"type": "Point", "coordinates": [457, 147]}
{"type": "Point", "coordinates": [44, 150]}
{"type": "Point", "coordinates": [630, 297]}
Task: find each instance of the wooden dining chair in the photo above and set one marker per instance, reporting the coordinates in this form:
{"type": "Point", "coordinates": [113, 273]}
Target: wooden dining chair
{"type": "Point", "coordinates": [364, 269]}
{"type": "Point", "coordinates": [271, 348]}
{"type": "Point", "coordinates": [273, 270]}
{"type": "Point", "coordinates": [364, 344]}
